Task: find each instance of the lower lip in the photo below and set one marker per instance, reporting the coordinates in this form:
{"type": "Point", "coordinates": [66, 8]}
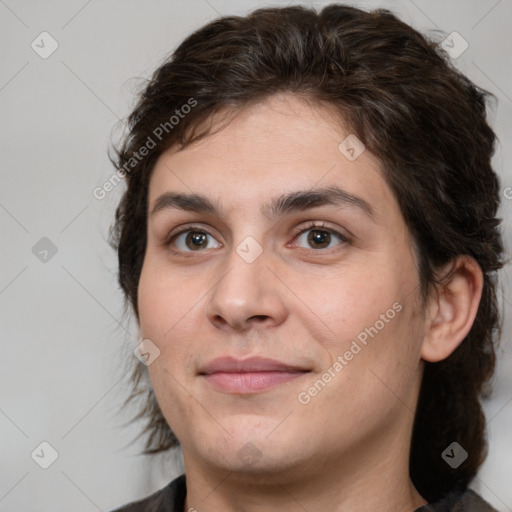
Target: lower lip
{"type": "Point", "coordinates": [249, 382]}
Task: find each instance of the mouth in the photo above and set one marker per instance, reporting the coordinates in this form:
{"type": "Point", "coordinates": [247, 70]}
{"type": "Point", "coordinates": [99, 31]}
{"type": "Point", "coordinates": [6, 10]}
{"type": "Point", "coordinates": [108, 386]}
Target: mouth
{"type": "Point", "coordinates": [249, 376]}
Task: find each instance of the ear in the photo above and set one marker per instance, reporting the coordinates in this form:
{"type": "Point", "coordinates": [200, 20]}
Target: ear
{"type": "Point", "coordinates": [452, 308]}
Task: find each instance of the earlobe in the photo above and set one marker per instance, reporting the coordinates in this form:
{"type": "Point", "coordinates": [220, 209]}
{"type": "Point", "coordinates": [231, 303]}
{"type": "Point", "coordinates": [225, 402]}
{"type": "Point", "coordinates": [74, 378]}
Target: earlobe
{"type": "Point", "coordinates": [452, 309]}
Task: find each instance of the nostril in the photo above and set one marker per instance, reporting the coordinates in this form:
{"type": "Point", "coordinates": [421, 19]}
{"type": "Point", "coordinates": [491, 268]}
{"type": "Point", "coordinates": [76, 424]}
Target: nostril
{"type": "Point", "coordinates": [261, 318]}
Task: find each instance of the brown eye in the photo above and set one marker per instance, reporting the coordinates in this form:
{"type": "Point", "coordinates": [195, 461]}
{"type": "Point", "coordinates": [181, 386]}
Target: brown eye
{"type": "Point", "coordinates": [196, 240]}
{"type": "Point", "coordinates": [318, 237]}
{"type": "Point", "coordinates": [192, 241]}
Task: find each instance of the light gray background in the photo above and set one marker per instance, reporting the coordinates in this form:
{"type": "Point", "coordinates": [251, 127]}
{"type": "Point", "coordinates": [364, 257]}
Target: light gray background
{"type": "Point", "coordinates": [65, 342]}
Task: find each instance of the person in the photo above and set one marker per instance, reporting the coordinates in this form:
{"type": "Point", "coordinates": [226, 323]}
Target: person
{"type": "Point", "coordinates": [309, 243]}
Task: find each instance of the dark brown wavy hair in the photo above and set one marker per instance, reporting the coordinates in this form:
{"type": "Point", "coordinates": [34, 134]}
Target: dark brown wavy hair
{"type": "Point", "coordinates": [426, 122]}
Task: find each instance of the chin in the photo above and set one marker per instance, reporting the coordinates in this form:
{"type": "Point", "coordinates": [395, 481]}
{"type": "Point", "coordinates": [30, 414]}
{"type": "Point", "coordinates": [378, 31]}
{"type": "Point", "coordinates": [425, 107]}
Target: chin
{"type": "Point", "coordinates": [254, 465]}
{"type": "Point", "coordinates": [252, 451]}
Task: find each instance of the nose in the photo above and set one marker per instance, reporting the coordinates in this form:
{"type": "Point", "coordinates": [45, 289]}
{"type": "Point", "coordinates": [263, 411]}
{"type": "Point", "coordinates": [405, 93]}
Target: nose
{"type": "Point", "coordinates": [247, 295]}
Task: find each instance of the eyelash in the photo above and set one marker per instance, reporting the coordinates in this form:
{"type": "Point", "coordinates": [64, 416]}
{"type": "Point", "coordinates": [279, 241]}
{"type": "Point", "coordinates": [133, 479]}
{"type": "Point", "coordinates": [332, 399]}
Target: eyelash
{"type": "Point", "coordinates": [310, 226]}
{"type": "Point", "coordinates": [320, 226]}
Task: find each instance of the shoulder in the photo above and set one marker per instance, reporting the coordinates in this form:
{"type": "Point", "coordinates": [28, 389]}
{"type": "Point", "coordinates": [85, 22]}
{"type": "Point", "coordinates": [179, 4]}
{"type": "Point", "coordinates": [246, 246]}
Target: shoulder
{"type": "Point", "coordinates": [169, 499]}
{"type": "Point", "coordinates": [459, 501]}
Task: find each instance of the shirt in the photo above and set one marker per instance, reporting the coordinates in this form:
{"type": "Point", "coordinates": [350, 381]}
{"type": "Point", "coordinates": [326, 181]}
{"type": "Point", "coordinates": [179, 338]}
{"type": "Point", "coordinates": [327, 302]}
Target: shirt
{"type": "Point", "coordinates": [172, 499]}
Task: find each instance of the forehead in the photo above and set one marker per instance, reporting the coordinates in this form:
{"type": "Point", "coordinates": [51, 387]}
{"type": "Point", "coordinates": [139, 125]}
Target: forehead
{"type": "Point", "coordinates": [280, 145]}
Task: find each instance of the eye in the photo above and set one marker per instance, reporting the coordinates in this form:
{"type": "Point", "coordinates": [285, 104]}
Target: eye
{"type": "Point", "coordinates": [192, 240]}
{"type": "Point", "coordinates": [317, 236]}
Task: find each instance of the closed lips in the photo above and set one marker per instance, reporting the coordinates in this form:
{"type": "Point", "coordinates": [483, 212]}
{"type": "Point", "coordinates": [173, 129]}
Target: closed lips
{"type": "Point", "coordinates": [249, 376]}
{"type": "Point", "coordinates": [251, 365]}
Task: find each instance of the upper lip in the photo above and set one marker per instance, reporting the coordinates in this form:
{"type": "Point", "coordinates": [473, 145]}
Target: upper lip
{"type": "Point", "coordinates": [252, 364]}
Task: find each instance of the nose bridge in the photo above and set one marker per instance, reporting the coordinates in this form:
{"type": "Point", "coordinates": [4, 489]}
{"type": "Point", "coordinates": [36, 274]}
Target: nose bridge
{"type": "Point", "coordinates": [247, 288]}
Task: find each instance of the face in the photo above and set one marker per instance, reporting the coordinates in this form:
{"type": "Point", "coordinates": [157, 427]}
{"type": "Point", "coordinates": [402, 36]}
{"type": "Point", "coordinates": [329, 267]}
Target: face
{"type": "Point", "coordinates": [283, 300]}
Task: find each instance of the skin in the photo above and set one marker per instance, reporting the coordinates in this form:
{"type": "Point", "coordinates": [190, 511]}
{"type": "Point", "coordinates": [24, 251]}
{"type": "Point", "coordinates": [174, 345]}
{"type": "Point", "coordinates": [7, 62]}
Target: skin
{"type": "Point", "coordinates": [347, 449]}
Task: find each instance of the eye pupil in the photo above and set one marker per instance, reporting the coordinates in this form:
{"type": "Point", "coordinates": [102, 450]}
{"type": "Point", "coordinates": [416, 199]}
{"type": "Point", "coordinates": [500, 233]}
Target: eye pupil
{"type": "Point", "coordinates": [319, 238]}
{"type": "Point", "coordinates": [195, 239]}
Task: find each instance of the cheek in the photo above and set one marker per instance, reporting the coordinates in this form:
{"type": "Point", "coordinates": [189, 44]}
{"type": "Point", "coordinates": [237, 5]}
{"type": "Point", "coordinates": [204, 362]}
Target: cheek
{"type": "Point", "coordinates": [170, 312]}
{"type": "Point", "coordinates": [376, 327]}
{"type": "Point", "coordinates": [166, 308]}
{"type": "Point", "coordinates": [377, 364]}
{"type": "Point", "coordinates": [164, 302]}
{"type": "Point", "coordinates": [356, 305]}
{"type": "Point", "coordinates": [175, 398]}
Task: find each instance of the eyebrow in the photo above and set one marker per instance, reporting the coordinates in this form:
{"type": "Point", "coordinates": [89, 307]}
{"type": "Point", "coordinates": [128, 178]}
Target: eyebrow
{"type": "Point", "coordinates": [287, 203]}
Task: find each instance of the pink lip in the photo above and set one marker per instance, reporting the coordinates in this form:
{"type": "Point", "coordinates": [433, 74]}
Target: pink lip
{"type": "Point", "coordinates": [249, 375]}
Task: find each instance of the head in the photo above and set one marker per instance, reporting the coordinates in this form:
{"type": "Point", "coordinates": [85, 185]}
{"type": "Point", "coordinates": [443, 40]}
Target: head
{"type": "Point", "coordinates": [346, 226]}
